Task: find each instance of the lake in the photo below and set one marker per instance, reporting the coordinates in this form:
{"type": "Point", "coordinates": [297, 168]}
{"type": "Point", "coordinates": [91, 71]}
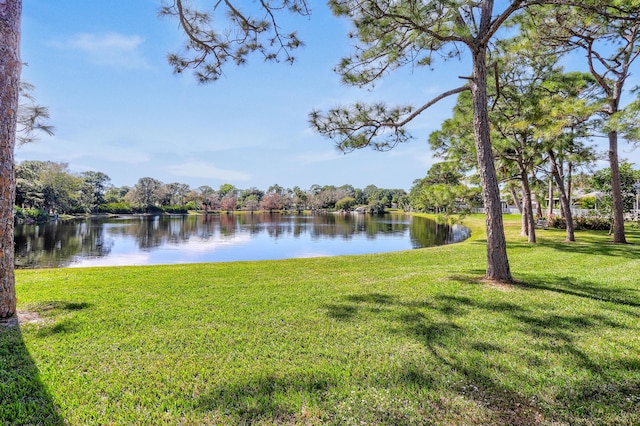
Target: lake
{"type": "Point", "coordinates": [153, 240]}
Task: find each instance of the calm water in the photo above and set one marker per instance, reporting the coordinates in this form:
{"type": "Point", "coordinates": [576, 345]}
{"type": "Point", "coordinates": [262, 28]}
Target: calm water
{"type": "Point", "coordinates": [145, 240]}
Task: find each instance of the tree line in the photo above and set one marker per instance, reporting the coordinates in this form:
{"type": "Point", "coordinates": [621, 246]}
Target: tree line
{"type": "Point", "coordinates": [45, 187]}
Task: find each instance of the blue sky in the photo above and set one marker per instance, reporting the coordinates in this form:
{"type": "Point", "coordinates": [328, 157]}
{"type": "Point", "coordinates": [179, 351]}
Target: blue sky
{"type": "Point", "coordinates": [100, 67]}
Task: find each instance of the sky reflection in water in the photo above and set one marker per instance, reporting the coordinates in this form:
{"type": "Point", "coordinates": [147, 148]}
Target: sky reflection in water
{"type": "Point", "coordinates": [144, 240]}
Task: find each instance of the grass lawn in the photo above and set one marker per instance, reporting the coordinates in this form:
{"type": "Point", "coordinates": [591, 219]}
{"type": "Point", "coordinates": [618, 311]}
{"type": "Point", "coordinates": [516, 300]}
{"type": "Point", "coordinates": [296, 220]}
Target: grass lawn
{"type": "Point", "coordinates": [403, 338]}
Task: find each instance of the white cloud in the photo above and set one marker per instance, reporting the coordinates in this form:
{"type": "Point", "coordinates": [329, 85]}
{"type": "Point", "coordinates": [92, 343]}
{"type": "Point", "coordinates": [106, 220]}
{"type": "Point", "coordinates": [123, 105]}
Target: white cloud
{"type": "Point", "coordinates": [201, 169]}
{"type": "Point", "coordinates": [111, 49]}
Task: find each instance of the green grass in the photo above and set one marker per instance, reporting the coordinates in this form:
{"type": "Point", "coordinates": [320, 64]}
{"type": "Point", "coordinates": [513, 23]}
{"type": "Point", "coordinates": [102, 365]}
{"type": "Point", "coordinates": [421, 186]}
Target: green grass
{"type": "Point", "coordinates": [402, 338]}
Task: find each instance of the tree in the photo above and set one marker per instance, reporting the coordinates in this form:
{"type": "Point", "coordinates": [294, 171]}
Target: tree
{"type": "Point", "coordinates": [28, 186]}
{"type": "Point", "coordinates": [226, 189]}
{"type": "Point", "coordinates": [229, 203]}
{"type": "Point", "coordinates": [390, 35]}
{"type": "Point", "coordinates": [272, 201]}
{"type": "Point", "coordinates": [96, 185]}
{"type": "Point", "coordinates": [60, 188]}
{"type": "Point", "coordinates": [629, 185]}
{"type": "Point", "coordinates": [209, 47]}
{"type": "Point", "coordinates": [393, 34]}
{"type": "Point", "coordinates": [299, 199]}
{"type": "Point", "coordinates": [346, 204]}
{"type": "Point", "coordinates": [442, 190]}
{"type": "Point", "coordinates": [146, 193]}
{"type": "Point", "coordinates": [10, 68]}
{"type": "Point", "coordinates": [611, 43]}
{"type": "Point", "coordinates": [175, 193]}
{"type": "Point", "coordinates": [210, 199]}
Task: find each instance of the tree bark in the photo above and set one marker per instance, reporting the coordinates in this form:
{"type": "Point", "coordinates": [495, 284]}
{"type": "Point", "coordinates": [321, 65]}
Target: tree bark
{"type": "Point", "coordinates": [497, 260]}
{"type": "Point", "coordinates": [616, 190]}
{"type": "Point", "coordinates": [10, 68]}
{"type": "Point", "coordinates": [528, 207]}
{"type": "Point", "coordinates": [550, 204]}
{"type": "Point", "coordinates": [564, 201]}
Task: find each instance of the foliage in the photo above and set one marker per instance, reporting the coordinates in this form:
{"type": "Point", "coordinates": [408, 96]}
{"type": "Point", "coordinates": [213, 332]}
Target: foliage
{"type": "Point", "coordinates": [443, 190]}
{"type": "Point", "coordinates": [31, 215]}
{"type": "Point", "coordinates": [175, 209]}
{"type": "Point", "coordinates": [208, 46]}
{"type": "Point", "coordinates": [400, 338]}
{"type": "Point", "coordinates": [116, 208]}
{"type": "Point", "coordinates": [376, 207]}
{"type": "Point", "coordinates": [595, 223]}
{"type": "Point", "coordinates": [91, 191]}
{"type": "Point", "coordinates": [346, 204]}
{"type": "Point", "coordinates": [32, 118]}
{"type": "Point", "coordinates": [629, 186]}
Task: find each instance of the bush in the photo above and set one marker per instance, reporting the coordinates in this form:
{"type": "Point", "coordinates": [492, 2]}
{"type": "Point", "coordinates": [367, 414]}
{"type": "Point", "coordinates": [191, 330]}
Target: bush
{"type": "Point", "coordinates": [346, 203]}
{"type": "Point", "coordinates": [175, 209]}
{"type": "Point", "coordinates": [583, 222]}
{"type": "Point", "coordinates": [31, 215]}
{"type": "Point", "coordinates": [376, 207]}
{"type": "Point", "coordinates": [115, 208]}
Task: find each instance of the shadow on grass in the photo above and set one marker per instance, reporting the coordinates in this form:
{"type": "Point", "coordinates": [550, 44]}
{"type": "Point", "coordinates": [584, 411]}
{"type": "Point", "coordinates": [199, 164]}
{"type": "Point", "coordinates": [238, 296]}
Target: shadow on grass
{"type": "Point", "coordinates": [264, 399]}
{"type": "Point", "coordinates": [486, 370]}
{"type": "Point", "coordinates": [571, 286]}
{"type": "Point", "coordinates": [23, 398]}
{"type": "Point", "coordinates": [596, 243]}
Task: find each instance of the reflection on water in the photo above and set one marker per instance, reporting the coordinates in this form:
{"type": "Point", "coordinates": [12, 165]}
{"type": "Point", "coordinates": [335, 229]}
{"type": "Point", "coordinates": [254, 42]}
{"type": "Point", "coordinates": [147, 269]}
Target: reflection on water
{"type": "Point", "coordinates": [146, 240]}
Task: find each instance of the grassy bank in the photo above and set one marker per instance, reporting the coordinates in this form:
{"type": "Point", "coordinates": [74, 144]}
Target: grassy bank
{"type": "Point", "coordinates": [402, 338]}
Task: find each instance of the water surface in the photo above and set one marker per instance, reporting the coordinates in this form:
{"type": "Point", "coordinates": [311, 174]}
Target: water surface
{"type": "Point", "coordinates": [152, 240]}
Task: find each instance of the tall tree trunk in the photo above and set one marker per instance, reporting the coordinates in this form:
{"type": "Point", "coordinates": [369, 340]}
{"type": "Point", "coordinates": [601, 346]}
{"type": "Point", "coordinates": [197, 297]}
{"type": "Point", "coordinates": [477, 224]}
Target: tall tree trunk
{"type": "Point", "coordinates": [569, 181]}
{"type": "Point", "coordinates": [564, 201]}
{"type": "Point", "coordinates": [538, 205]}
{"type": "Point", "coordinates": [497, 260]}
{"type": "Point", "coordinates": [516, 199]}
{"type": "Point", "coordinates": [10, 68]}
{"type": "Point", "coordinates": [524, 227]}
{"type": "Point", "coordinates": [528, 206]}
{"type": "Point", "coordinates": [616, 190]}
{"type": "Point", "coordinates": [550, 206]}
{"type": "Point", "coordinates": [535, 197]}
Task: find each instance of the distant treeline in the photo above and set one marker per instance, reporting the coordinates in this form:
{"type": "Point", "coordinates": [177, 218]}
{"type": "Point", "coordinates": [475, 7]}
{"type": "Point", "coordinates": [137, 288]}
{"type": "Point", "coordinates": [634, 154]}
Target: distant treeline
{"type": "Point", "coordinates": [45, 188]}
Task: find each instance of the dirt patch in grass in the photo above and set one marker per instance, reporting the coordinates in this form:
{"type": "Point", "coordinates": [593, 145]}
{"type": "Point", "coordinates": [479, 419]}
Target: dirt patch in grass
{"type": "Point", "coordinates": [21, 318]}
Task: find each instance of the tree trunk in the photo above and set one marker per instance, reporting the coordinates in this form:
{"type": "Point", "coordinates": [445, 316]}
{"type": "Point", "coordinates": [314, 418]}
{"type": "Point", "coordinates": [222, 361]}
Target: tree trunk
{"type": "Point", "coordinates": [564, 201]}
{"type": "Point", "coordinates": [528, 207]}
{"type": "Point", "coordinates": [550, 206]}
{"type": "Point", "coordinates": [10, 68]}
{"type": "Point", "coordinates": [569, 181]}
{"type": "Point", "coordinates": [497, 260]}
{"type": "Point", "coordinates": [616, 190]}
{"type": "Point", "coordinates": [535, 197]}
{"type": "Point", "coordinates": [524, 230]}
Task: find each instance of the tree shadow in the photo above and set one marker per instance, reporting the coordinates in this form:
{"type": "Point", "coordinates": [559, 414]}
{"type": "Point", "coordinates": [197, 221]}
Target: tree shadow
{"type": "Point", "coordinates": [347, 309]}
{"type": "Point", "coordinates": [474, 361]}
{"type": "Point", "coordinates": [589, 244]}
{"type": "Point", "coordinates": [66, 324]}
{"type": "Point", "coordinates": [251, 400]}
{"type": "Point", "coordinates": [23, 397]}
{"type": "Point", "coordinates": [571, 286]}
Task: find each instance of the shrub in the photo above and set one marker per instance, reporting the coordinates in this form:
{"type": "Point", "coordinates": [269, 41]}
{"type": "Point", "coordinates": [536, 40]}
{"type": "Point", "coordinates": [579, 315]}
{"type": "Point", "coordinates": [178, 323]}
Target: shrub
{"type": "Point", "coordinates": [175, 209]}
{"type": "Point", "coordinates": [376, 207]}
{"type": "Point", "coordinates": [31, 215]}
{"type": "Point", "coordinates": [583, 222]}
{"type": "Point", "coordinates": [115, 208]}
{"type": "Point", "coordinates": [346, 203]}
